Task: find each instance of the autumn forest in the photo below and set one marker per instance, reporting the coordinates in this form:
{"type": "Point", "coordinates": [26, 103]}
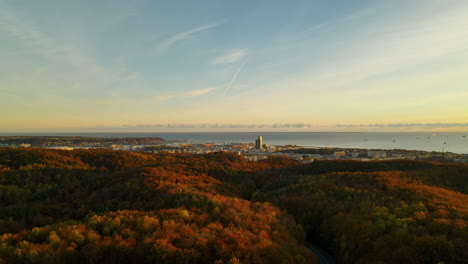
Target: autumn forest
{"type": "Point", "coordinates": [104, 206]}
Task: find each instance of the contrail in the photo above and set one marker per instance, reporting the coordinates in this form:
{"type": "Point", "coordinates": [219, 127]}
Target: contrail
{"type": "Point", "coordinates": [235, 76]}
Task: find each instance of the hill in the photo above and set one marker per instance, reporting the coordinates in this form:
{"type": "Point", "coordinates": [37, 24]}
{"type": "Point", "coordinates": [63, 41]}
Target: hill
{"type": "Point", "coordinates": [103, 206]}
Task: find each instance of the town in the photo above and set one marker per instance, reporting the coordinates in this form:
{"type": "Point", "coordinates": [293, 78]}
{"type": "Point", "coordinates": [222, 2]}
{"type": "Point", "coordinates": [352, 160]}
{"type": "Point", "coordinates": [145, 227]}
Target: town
{"type": "Point", "coordinates": [253, 151]}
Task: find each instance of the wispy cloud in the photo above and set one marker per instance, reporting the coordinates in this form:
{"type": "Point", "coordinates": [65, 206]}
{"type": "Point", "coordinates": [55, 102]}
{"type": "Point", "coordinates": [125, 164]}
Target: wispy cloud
{"type": "Point", "coordinates": [36, 40]}
{"type": "Point", "coordinates": [191, 93]}
{"type": "Point", "coordinates": [28, 35]}
{"type": "Point", "coordinates": [381, 58]}
{"type": "Point", "coordinates": [32, 38]}
{"type": "Point", "coordinates": [234, 77]}
{"type": "Point", "coordinates": [161, 98]}
{"type": "Point", "coordinates": [407, 125]}
{"type": "Point", "coordinates": [291, 125]}
{"type": "Point", "coordinates": [222, 125]}
{"type": "Point", "coordinates": [199, 92]}
{"type": "Point", "coordinates": [400, 46]}
{"type": "Point", "coordinates": [231, 57]}
{"type": "Point", "coordinates": [171, 41]}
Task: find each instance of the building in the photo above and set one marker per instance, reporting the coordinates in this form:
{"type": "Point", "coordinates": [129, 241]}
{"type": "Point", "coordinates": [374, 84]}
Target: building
{"type": "Point", "coordinates": [339, 154]}
{"type": "Point", "coordinates": [63, 148]}
{"type": "Point", "coordinates": [259, 143]}
{"type": "Point", "coordinates": [376, 154]}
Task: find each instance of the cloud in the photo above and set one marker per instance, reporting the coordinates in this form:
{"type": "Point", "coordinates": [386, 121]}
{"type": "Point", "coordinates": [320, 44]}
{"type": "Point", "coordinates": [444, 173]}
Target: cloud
{"type": "Point", "coordinates": [231, 57]}
{"type": "Point", "coordinates": [199, 92]}
{"type": "Point", "coordinates": [169, 42]}
{"type": "Point", "coordinates": [408, 125]}
{"type": "Point", "coordinates": [56, 52]}
{"type": "Point", "coordinates": [31, 37]}
{"type": "Point", "coordinates": [291, 125]}
{"type": "Point", "coordinates": [28, 35]}
{"type": "Point", "coordinates": [191, 93]}
{"type": "Point", "coordinates": [402, 45]}
{"type": "Point", "coordinates": [217, 125]}
{"type": "Point", "coordinates": [391, 45]}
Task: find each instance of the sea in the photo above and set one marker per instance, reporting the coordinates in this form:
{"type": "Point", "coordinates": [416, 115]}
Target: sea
{"type": "Point", "coordinates": [455, 142]}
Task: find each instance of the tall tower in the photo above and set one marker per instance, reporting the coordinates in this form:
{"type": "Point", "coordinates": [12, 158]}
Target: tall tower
{"type": "Point", "coordinates": [259, 143]}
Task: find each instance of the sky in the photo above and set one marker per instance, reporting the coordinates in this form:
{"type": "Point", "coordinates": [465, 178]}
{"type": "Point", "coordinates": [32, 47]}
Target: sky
{"type": "Point", "coordinates": [256, 65]}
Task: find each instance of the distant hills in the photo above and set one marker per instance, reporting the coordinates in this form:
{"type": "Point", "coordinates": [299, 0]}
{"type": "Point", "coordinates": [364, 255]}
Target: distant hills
{"type": "Point", "coordinates": [51, 141]}
{"type": "Point", "coordinates": [104, 206]}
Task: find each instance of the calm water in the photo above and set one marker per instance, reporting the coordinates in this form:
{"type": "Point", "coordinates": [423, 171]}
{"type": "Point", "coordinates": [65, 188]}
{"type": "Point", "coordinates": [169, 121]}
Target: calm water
{"type": "Point", "coordinates": [452, 142]}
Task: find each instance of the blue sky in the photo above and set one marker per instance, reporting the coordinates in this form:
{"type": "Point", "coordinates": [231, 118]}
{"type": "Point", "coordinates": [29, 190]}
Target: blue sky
{"type": "Point", "coordinates": [233, 65]}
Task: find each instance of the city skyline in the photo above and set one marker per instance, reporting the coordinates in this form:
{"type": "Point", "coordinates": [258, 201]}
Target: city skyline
{"type": "Point", "coordinates": [185, 66]}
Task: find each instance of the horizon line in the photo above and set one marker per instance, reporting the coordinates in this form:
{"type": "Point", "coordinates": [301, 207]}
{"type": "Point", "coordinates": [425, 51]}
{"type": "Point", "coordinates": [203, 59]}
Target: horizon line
{"type": "Point", "coordinates": [136, 132]}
